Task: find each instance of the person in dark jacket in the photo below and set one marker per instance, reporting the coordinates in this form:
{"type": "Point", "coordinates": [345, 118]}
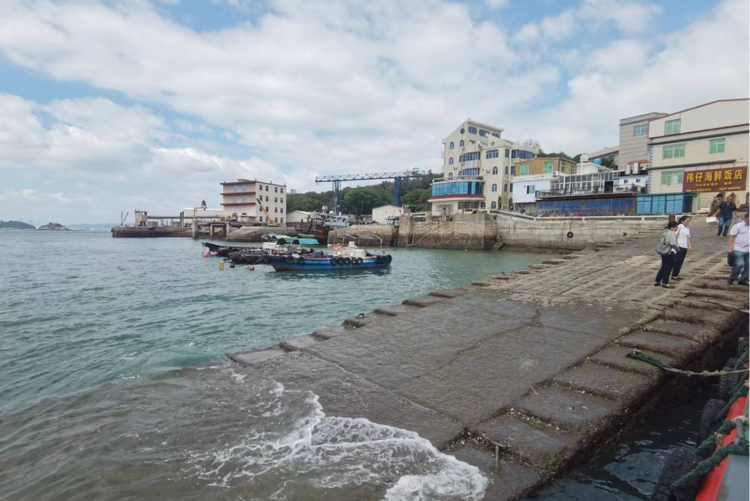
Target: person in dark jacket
{"type": "Point", "coordinates": [726, 213]}
{"type": "Point", "coordinates": [667, 260]}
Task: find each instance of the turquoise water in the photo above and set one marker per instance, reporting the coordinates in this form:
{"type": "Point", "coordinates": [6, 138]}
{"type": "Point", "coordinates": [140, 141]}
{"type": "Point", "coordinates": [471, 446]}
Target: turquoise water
{"type": "Point", "coordinates": [106, 343]}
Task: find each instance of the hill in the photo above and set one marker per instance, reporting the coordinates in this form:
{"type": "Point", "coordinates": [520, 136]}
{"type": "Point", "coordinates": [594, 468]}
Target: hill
{"type": "Point", "coordinates": [15, 225]}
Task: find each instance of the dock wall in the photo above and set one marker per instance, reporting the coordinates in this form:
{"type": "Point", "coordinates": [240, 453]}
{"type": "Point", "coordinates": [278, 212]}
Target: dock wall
{"type": "Point", "coordinates": [571, 233]}
{"type": "Point", "coordinates": [254, 233]}
{"type": "Point", "coordinates": [151, 232]}
{"type": "Point", "coordinates": [462, 231]}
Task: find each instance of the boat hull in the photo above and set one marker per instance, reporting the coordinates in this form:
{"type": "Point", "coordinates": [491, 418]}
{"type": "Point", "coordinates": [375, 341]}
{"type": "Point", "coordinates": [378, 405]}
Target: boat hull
{"type": "Point", "coordinates": [324, 264]}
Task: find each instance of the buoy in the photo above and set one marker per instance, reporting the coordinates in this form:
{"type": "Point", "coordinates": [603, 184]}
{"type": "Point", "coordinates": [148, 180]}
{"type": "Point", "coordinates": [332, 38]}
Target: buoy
{"type": "Point", "coordinates": [221, 266]}
{"type": "Point", "coordinates": [206, 254]}
{"type": "Point", "coordinates": [251, 268]}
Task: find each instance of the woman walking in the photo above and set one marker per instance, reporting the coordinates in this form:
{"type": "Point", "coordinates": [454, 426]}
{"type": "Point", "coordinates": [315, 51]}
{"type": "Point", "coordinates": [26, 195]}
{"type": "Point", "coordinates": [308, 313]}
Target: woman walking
{"type": "Point", "coordinates": [668, 251]}
{"type": "Point", "coordinates": [683, 242]}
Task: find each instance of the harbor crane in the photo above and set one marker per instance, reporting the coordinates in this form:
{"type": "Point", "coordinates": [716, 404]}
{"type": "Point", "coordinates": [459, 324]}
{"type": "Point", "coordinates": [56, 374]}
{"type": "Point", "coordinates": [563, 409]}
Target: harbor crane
{"type": "Point", "coordinates": [337, 179]}
{"type": "Point", "coordinates": [268, 216]}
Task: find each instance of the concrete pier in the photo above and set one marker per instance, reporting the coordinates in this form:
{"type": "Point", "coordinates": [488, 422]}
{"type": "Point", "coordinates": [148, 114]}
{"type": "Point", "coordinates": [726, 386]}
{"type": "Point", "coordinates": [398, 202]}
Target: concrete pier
{"type": "Point", "coordinates": [524, 375]}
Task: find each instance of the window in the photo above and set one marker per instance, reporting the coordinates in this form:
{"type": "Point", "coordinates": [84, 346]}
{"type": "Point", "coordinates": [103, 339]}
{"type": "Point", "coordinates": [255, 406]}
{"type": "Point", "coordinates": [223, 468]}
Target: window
{"type": "Point", "coordinates": [234, 189]}
{"type": "Point", "coordinates": [244, 200]}
{"type": "Point", "coordinates": [450, 175]}
{"type": "Point", "coordinates": [494, 187]}
{"type": "Point", "coordinates": [472, 130]}
{"type": "Point", "coordinates": [234, 200]}
{"type": "Point", "coordinates": [640, 130]}
{"type": "Point", "coordinates": [564, 168]}
{"type": "Point", "coordinates": [462, 131]}
{"type": "Point", "coordinates": [276, 209]}
{"type": "Point", "coordinates": [512, 170]}
{"type": "Point", "coordinates": [717, 146]}
{"type": "Point", "coordinates": [461, 144]}
{"type": "Point", "coordinates": [505, 187]}
{"type": "Point", "coordinates": [674, 151]}
{"type": "Point", "coordinates": [672, 177]}
{"type": "Point", "coordinates": [493, 205]}
{"type": "Point", "coordinates": [281, 190]}
{"type": "Point", "coordinates": [494, 170]}
{"type": "Point", "coordinates": [672, 127]}
{"type": "Point", "coordinates": [281, 209]}
{"type": "Point", "coordinates": [507, 153]}
{"type": "Point", "coordinates": [506, 170]}
{"type": "Point", "coordinates": [451, 145]}
{"type": "Point", "coordinates": [492, 154]}
{"type": "Point", "coordinates": [275, 220]}
{"type": "Point", "coordinates": [470, 172]}
{"type": "Point", "coordinates": [548, 166]}
{"type": "Point", "coordinates": [450, 161]}
{"type": "Point", "coordinates": [281, 200]}
{"type": "Point", "coordinates": [524, 170]}
{"type": "Point", "coordinates": [244, 188]}
{"type": "Point", "coordinates": [483, 132]}
{"type": "Point", "coordinates": [496, 134]}
{"type": "Point", "coordinates": [530, 189]}
{"type": "Point", "coordinates": [467, 157]}
{"type": "Point", "coordinates": [260, 188]}
{"type": "Point", "coordinates": [276, 189]}
{"type": "Point", "coordinates": [260, 219]}
{"type": "Point", "coordinates": [266, 188]}
{"type": "Point", "coordinates": [266, 197]}
{"type": "Point", "coordinates": [275, 200]}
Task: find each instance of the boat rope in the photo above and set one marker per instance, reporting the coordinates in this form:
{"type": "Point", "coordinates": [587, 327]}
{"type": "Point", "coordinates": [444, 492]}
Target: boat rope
{"type": "Point", "coordinates": [638, 355]}
{"type": "Point", "coordinates": [740, 447]}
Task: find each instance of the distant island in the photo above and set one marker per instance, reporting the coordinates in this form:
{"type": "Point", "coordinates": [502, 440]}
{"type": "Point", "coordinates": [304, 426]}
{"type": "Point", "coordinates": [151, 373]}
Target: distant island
{"type": "Point", "coordinates": [53, 227]}
{"type": "Point", "coordinates": [15, 225]}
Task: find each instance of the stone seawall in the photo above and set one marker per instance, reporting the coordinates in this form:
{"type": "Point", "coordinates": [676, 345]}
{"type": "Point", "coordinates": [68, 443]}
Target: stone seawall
{"type": "Point", "coordinates": [462, 231]}
{"type": "Point", "coordinates": [366, 235]}
{"type": "Point", "coordinates": [150, 232]}
{"type": "Point", "coordinates": [530, 364]}
{"type": "Point", "coordinates": [571, 233]}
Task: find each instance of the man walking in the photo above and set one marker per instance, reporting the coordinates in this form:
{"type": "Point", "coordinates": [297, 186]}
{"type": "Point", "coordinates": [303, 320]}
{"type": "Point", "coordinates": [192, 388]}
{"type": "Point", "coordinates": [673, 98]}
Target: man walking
{"type": "Point", "coordinates": [726, 213]}
{"type": "Point", "coordinates": [739, 246]}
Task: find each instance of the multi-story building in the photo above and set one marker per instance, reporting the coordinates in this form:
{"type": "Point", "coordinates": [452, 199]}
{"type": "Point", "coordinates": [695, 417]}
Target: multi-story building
{"type": "Point", "coordinates": [610, 153]}
{"type": "Point", "coordinates": [477, 164]}
{"type": "Point", "coordinates": [633, 148]}
{"type": "Point", "coordinates": [544, 165]}
{"type": "Point", "coordinates": [240, 200]}
{"type": "Point", "coordinates": [701, 150]}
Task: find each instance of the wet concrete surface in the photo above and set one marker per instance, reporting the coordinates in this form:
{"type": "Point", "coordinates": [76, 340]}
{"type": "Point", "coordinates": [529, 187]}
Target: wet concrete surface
{"type": "Point", "coordinates": [533, 362]}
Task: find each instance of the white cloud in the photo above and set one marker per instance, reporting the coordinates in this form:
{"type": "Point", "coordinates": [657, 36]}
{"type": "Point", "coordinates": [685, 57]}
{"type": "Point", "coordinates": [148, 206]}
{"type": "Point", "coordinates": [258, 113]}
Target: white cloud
{"type": "Point", "coordinates": [497, 4]}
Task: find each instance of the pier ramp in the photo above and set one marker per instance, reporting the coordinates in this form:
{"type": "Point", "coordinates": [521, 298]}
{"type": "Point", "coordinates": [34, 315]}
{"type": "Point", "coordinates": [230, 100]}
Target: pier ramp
{"type": "Point", "coordinates": [524, 375]}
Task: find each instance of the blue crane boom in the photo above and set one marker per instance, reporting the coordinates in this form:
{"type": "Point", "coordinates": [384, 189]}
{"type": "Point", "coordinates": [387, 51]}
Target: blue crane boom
{"type": "Point", "coordinates": [336, 179]}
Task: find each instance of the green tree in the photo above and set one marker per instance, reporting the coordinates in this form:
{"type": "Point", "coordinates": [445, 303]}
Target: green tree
{"type": "Point", "coordinates": [416, 199]}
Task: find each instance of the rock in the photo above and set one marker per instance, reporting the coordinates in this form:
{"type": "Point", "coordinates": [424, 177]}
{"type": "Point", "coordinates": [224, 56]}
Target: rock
{"type": "Point", "coordinates": [53, 227]}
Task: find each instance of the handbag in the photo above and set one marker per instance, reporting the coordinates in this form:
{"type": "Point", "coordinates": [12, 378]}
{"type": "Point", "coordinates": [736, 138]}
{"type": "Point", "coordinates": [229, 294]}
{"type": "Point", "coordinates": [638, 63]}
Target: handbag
{"type": "Point", "coordinates": [663, 249]}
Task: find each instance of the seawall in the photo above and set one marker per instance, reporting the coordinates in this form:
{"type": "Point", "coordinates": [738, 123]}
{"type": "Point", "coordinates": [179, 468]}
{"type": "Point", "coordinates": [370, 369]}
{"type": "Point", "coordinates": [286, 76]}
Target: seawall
{"type": "Point", "coordinates": [530, 366]}
{"type": "Point", "coordinates": [150, 232]}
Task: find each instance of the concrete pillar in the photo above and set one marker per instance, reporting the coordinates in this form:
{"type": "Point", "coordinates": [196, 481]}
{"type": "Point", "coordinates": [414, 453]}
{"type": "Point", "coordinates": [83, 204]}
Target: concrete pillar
{"type": "Point", "coordinates": [228, 229]}
{"type": "Point", "coordinates": [210, 231]}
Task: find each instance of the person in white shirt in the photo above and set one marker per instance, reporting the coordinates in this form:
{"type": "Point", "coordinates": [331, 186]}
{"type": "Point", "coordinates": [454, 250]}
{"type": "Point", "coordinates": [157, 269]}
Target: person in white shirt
{"type": "Point", "coordinates": [739, 247]}
{"type": "Point", "coordinates": [683, 242]}
{"type": "Point", "coordinates": [669, 242]}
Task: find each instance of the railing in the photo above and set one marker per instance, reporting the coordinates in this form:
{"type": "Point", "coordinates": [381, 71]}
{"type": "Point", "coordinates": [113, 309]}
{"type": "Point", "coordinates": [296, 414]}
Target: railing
{"type": "Point", "coordinates": [456, 178]}
{"type": "Point", "coordinates": [572, 193]}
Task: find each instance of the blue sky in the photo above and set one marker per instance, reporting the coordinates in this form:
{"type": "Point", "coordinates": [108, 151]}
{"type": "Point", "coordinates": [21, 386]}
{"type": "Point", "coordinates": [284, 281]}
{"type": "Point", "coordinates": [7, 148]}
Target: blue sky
{"type": "Point", "coordinates": [123, 104]}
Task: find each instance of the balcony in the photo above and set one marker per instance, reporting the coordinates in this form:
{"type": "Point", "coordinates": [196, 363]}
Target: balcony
{"type": "Point", "coordinates": [457, 178]}
{"type": "Point", "coordinates": [237, 193]}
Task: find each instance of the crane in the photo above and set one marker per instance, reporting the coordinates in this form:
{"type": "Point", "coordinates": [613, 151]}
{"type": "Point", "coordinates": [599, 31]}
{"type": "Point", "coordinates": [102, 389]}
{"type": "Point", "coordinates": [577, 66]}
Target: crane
{"type": "Point", "coordinates": [336, 179]}
{"type": "Point", "coordinates": [268, 216]}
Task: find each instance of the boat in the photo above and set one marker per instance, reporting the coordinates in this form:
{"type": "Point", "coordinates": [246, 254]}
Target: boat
{"type": "Point", "coordinates": [342, 259]}
{"type": "Point", "coordinates": [279, 240]}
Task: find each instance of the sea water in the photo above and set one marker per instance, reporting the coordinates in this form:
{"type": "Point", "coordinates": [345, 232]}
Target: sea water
{"type": "Point", "coordinates": [114, 383]}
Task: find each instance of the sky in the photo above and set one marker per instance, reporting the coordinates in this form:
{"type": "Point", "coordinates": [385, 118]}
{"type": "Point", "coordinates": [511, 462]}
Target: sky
{"type": "Point", "coordinates": [110, 105]}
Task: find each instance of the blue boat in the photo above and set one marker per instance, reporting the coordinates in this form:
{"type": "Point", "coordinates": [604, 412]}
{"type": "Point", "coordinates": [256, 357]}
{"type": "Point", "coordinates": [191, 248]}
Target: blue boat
{"type": "Point", "coordinates": [329, 263]}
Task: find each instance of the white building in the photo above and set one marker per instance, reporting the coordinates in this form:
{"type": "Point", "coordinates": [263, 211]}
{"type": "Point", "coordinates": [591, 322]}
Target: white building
{"type": "Point", "coordinates": [633, 147]}
{"type": "Point", "coordinates": [476, 169]}
{"type": "Point", "coordinates": [701, 150]}
{"type": "Point", "coordinates": [298, 216]}
{"type": "Point", "coordinates": [382, 214]}
{"type": "Point", "coordinates": [525, 188]}
{"type": "Point", "coordinates": [241, 200]}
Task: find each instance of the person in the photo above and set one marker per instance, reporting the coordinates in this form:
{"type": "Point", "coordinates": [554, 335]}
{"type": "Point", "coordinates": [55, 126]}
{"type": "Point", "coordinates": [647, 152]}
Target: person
{"type": "Point", "coordinates": [683, 242]}
{"type": "Point", "coordinates": [726, 213]}
{"type": "Point", "coordinates": [718, 199]}
{"type": "Point", "coordinates": [739, 246]}
{"type": "Point", "coordinates": [203, 204]}
{"type": "Point", "coordinates": [669, 238]}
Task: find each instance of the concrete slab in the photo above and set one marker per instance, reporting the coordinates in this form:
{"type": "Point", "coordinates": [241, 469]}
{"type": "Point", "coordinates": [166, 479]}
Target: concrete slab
{"type": "Point", "coordinates": [718, 319]}
{"type": "Point", "coordinates": [606, 324]}
{"type": "Point", "coordinates": [615, 356]}
{"type": "Point", "coordinates": [331, 332]}
{"type": "Point", "coordinates": [508, 480]}
{"type": "Point", "coordinates": [423, 301]}
{"type": "Point", "coordinates": [299, 343]}
{"type": "Point", "coordinates": [345, 394]}
{"type": "Point", "coordinates": [393, 311]}
{"type": "Point", "coordinates": [360, 320]}
{"type": "Point", "coordinates": [571, 410]}
{"type": "Point", "coordinates": [607, 382]}
{"type": "Point", "coordinates": [676, 347]}
{"type": "Point", "coordinates": [450, 293]}
{"type": "Point", "coordinates": [695, 332]}
{"type": "Point", "coordinates": [539, 445]}
{"type": "Point", "coordinates": [256, 357]}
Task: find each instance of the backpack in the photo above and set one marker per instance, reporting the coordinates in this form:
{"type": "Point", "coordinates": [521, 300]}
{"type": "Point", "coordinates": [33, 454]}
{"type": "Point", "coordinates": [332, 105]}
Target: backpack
{"type": "Point", "coordinates": [663, 249]}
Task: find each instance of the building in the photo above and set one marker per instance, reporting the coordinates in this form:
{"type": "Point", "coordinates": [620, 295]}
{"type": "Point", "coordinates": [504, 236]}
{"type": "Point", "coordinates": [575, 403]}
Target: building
{"type": "Point", "coordinates": [631, 182]}
{"type": "Point", "coordinates": [701, 150]}
{"type": "Point", "coordinates": [633, 146]}
{"type": "Point", "coordinates": [477, 164]}
{"type": "Point", "coordinates": [612, 154]}
{"type": "Point", "coordinates": [299, 216]}
{"type": "Point", "coordinates": [544, 165]}
{"type": "Point", "coordinates": [240, 200]}
{"type": "Point", "coordinates": [525, 188]}
{"type": "Point", "coordinates": [386, 213]}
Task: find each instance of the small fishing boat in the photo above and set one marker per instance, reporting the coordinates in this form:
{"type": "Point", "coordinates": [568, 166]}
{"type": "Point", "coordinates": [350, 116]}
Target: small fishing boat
{"type": "Point", "coordinates": [342, 259]}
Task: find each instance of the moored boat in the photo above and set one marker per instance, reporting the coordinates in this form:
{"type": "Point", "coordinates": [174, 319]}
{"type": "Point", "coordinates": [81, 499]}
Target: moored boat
{"type": "Point", "coordinates": [342, 259]}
